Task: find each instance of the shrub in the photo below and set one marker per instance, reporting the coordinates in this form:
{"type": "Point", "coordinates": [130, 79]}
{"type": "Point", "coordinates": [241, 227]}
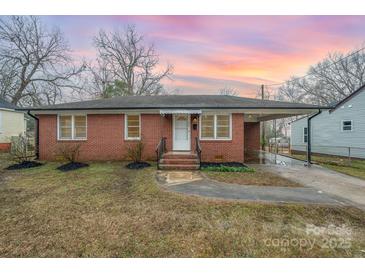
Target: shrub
{"type": "Point", "coordinates": [135, 151]}
{"type": "Point", "coordinates": [223, 168]}
{"type": "Point", "coordinates": [69, 151]}
{"type": "Point", "coordinates": [19, 149]}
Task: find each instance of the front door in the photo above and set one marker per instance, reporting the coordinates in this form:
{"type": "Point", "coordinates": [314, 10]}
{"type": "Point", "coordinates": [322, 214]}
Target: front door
{"type": "Point", "coordinates": [181, 132]}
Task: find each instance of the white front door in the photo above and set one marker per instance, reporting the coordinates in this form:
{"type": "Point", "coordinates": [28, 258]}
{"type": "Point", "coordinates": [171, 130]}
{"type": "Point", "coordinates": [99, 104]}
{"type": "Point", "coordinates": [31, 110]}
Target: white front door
{"type": "Point", "coordinates": [181, 132]}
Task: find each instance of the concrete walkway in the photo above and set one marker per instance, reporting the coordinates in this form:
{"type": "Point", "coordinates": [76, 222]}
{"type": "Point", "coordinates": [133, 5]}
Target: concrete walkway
{"type": "Point", "coordinates": [342, 186]}
{"type": "Point", "coordinates": [192, 183]}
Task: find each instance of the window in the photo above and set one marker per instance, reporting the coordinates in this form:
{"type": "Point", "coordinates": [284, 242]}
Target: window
{"type": "Point", "coordinates": [222, 126]}
{"type": "Point", "coordinates": [207, 126]}
{"type": "Point", "coordinates": [305, 135]}
{"type": "Point", "coordinates": [215, 126]}
{"type": "Point", "coordinates": [80, 127]}
{"type": "Point", "coordinates": [347, 125]}
{"type": "Point", "coordinates": [132, 126]}
{"type": "Point", "coordinates": [72, 127]}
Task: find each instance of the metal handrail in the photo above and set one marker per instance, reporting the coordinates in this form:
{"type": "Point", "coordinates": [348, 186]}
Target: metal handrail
{"type": "Point", "coordinates": [198, 150]}
{"type": "Point", "coordinates": [160, 150]}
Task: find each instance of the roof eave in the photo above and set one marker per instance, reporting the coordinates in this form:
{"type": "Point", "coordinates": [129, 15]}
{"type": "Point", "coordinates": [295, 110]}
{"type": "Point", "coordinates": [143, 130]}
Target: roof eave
{"type": "Point", "coordinates": [129, 108]}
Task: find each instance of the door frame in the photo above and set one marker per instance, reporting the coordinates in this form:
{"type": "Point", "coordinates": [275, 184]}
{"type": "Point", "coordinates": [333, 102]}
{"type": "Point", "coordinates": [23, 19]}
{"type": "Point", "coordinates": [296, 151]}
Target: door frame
{"type": "Point", "coordinates": [173, 132]}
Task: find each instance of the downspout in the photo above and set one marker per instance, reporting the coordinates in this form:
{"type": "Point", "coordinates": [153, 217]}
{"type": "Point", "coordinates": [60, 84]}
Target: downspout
{"type": "Point", "coordinates": [36, 135]}
{"type": "Point", "coordinates": [309, 138]}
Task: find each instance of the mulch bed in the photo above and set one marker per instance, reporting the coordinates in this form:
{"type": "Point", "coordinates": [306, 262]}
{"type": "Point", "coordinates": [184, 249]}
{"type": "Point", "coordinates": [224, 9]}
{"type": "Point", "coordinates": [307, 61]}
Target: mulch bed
{"type": "Point", "coordinates": [24, 164]}
{"type": "Point", "coordinates": [137, 165]}
{"type": "Point", "coordinates": [72, 166]}
{"type": "Point", "coordinates": [230, 164]}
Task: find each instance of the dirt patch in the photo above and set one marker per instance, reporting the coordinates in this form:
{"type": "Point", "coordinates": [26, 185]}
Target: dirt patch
{"type": "Point", "coordinates": [72, 166]}
{"type": "Point", "coordinates": [24, 164]}
{"type": "Point", "coordinates": [259, 178]}
{"type": "Point", "coordinates": [229, 164]}
{"type": "Point", "coordinates": [138, 165]}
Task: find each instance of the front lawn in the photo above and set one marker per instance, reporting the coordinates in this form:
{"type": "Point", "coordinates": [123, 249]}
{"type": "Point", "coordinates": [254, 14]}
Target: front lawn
{"type": "Point", "coordinates": [354, 168]}
{"type": "Point", "coordinates": [107, 210]}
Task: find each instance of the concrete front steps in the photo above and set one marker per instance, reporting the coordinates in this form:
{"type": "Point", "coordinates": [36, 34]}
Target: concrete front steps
{"type": "Point", "coordinates": [179, 161]}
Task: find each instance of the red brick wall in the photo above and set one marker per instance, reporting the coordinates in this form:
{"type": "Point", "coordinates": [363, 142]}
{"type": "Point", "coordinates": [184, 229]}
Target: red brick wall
{"type": "Point", "coordinates": [252, 136]}
{"type": "Point", "coordinates": [225, 151]}
{"type": "Point", "coordinates": [105, 138]}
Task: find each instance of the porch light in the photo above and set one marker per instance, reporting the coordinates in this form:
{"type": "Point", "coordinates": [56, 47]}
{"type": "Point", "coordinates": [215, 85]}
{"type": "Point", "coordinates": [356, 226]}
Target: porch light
{"type": "Point", "coordinates": [195, 123]}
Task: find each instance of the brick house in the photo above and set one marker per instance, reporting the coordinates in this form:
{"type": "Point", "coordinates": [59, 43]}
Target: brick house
{"type": "Point", "coordinates": [223, 128]}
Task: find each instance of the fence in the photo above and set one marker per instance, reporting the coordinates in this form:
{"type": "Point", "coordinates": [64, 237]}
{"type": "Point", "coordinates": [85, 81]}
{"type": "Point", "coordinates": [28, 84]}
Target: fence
{"type": "Point", "coordinates": [342, 151]}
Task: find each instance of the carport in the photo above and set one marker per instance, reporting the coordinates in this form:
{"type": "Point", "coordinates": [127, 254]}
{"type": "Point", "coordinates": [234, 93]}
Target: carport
{"type": "Point", "coordinates": [272, 114]}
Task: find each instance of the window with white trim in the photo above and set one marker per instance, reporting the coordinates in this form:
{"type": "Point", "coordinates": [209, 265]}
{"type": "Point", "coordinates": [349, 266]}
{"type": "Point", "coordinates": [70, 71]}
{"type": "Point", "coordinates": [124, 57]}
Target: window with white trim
{"type": "Point", "coordinates": [132, 126]}
{"type": "Point", "coordinates": [72, 127]}
{"type": "Point", "coordinates": [347, 125]}
{"type": "Point", "coordinates": [305, 135]}
{"type": "Point", "coordinates": [215, 126]}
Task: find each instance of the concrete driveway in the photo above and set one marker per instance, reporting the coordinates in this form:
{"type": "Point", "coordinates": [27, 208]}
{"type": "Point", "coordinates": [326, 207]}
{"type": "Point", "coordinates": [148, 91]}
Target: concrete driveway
{"type": "Point", "coordinates": [193, 183]}
{"type": "Point", "coordinates": [342, 186]}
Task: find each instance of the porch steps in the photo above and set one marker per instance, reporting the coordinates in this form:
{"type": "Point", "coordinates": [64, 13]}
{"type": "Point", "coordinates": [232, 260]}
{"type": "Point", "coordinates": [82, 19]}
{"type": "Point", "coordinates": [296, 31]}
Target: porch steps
{"type": "Point", "coordinates": [179, 161]}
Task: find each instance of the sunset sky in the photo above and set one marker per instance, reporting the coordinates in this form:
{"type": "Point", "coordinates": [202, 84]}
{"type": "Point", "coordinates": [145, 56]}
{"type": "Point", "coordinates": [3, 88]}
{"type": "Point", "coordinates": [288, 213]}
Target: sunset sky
{"type": "Point", "coordinates": [210, 52]}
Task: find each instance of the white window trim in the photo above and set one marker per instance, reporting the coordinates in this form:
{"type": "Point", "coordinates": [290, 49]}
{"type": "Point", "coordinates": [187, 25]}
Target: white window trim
{"type": "Point", "coordinates": [352, 125]}
{"type": "Point", "coordinates": [73, 138]}
{"type": "Point", "coordinates": [126, 127]}
{"type": "Point", "coordinates": [305, 135]}
{"type": "Point", "coordinates": [215, 138]}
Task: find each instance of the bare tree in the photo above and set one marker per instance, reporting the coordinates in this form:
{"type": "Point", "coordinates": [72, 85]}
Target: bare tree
{"type": "Point", "coordinates": [228, 91]}
{"type": "Point", "coordinates": [100, 77]}
{"type": "Point", "coordinates": [35, 63]}
{"type": "Point", "coordinates": [129, 60]}
{"type": "Point", "coordinates": [329, 81]}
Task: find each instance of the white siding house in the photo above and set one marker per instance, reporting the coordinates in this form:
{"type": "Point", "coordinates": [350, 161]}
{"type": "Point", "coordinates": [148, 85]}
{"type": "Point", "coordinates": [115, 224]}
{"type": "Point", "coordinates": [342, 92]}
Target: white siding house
{"type": "Point", "coordinates": [339, 131]}
{"type": "Point", "coordinates": [12, 123]}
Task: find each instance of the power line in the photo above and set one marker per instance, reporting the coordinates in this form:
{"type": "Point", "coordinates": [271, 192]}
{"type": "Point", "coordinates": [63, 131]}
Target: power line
{"type": "Point", "coordinates": [297, 78]}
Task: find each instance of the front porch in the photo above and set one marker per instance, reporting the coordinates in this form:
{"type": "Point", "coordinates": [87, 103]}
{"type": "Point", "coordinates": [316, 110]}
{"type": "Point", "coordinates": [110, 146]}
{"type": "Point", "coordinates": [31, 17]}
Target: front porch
{"type": "Point", "coordinates": [188, 137]}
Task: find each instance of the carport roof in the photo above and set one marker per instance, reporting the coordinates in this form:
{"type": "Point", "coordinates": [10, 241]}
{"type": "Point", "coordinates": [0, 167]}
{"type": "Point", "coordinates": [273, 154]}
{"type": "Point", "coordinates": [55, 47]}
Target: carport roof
{"type": "Point", "coordinates": [177, 102]}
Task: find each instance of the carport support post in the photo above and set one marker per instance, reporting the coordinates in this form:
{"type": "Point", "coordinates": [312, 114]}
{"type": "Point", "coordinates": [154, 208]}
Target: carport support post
{"type": "Point", "coordinates": [263, 122]}
{"type": "Point", "coordinates": [309, 142]}
{"type": "Point", "coordinates": [309, 138]}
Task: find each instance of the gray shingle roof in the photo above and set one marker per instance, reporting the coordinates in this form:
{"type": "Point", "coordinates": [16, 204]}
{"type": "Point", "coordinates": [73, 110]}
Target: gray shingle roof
{"type": "Point", "coordinates": [176, 101]}
{"type": "Point", "coordinates": [5, 104]}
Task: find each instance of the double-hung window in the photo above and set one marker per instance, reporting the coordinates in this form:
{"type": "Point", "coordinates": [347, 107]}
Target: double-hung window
{"type": "Point", "coordinates": [215, 126]}
{"type": "Point", "coordinates": [347, 125]}
{"type": "Point", "coordinates": [72, 127]}
{"type": "Point", "coordinates": [132, 127]}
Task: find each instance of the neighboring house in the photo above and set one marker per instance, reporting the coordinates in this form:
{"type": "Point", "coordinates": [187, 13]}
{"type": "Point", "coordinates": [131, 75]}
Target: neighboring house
{"type": "Point", "coordinates": [12, 123]}
{"type": "Point", "coordinates": [224, 126]}
{"type": "Point", "coordinates": [338, 131]}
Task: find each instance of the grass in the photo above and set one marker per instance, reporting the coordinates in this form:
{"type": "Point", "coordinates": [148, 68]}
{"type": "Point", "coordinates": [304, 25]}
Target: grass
{"type": "Point", "coordinates": [258, 178]}
{"type": "Point", "coordinates": [106, 210]}
{"type": "Point", "coordinates": [354, 168]}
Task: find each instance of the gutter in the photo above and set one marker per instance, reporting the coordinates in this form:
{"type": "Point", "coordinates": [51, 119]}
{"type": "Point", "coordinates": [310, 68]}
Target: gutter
{"type": "Point", "coordinates": [36, 135]}
{"type": "Point", "coordinates": [309, 145]}
{"type": "Point", "coordinates": [180, 107]}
